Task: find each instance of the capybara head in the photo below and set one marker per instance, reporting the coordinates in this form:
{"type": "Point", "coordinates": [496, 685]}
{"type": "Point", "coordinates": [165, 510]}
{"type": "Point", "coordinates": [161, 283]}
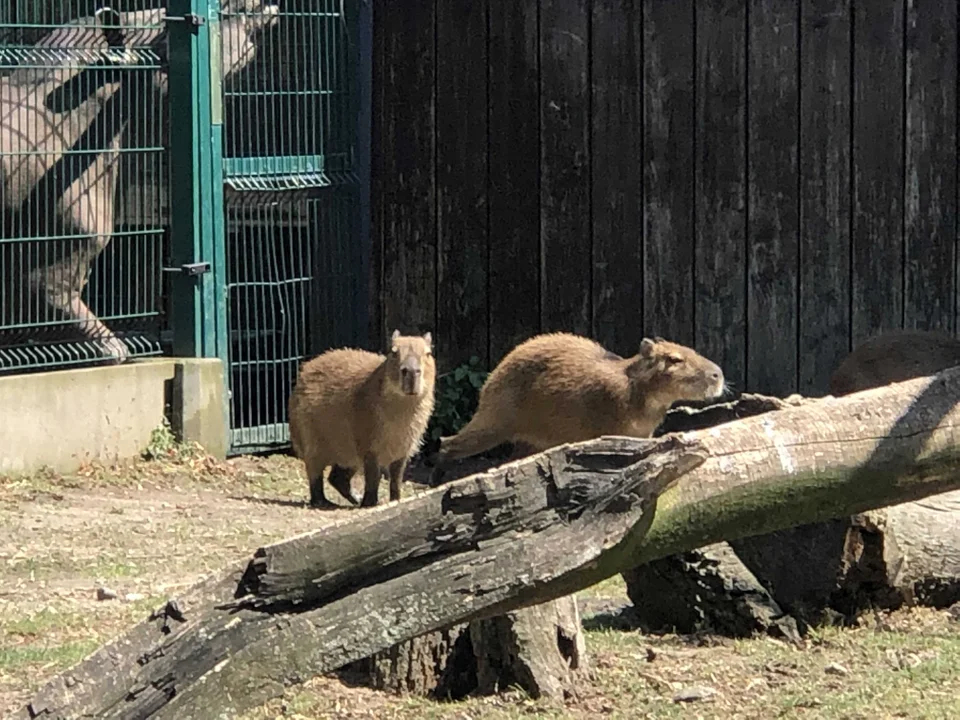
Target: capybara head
{"type": "Point", "coordinates": [410, 363]}
{"type": "Point", "coordinates": [672, 372]}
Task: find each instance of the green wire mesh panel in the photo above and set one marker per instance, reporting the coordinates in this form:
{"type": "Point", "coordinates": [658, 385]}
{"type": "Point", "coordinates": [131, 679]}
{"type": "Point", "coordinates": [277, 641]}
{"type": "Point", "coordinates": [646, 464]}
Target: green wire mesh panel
{"type": "Point", "coordinates": [295, 278]}
{"type": "Point", "coordinates": [82, 182]}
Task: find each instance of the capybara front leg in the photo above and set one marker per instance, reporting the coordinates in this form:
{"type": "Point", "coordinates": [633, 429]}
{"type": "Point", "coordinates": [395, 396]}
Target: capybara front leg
{"type": "Point", "coordinates": [371, 481]}
{"type": "Point", "coordinates": [396, 469]}
{"type": "Point", "coordinates": [317, 497]}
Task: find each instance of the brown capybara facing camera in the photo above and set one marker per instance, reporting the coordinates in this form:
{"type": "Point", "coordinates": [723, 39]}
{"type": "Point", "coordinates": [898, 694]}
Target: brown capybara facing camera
{"type": "Point", "coordinates": [353, 409]}
{"type": "Point", "coordinates": [560, 388]}
{"type": "Point", "coordinates": [892, 357]}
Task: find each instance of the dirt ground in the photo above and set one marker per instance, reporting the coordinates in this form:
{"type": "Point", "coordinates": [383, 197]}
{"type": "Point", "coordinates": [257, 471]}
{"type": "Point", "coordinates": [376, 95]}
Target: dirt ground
{"type": "Point", "coordinates": [145, 531]}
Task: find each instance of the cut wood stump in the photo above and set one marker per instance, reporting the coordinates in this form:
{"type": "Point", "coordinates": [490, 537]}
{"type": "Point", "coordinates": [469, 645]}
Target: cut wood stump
{"type": "Point", "coordinates": [432, 664]}
{"type": "Point", "coordinates": [705, 590]}
{"type": "Point", "coordinates": [539, 649]}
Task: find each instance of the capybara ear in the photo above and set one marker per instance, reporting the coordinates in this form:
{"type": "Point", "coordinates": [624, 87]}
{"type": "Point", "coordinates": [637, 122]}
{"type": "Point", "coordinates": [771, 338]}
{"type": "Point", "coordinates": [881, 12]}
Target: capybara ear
{"type": "Point", "coordinates": [428, 339]}
{"type": "Point", "coordinates": [646, 347]}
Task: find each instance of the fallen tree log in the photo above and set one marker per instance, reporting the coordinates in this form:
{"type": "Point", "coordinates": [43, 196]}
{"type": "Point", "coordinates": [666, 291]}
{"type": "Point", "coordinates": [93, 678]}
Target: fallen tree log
{"type": "Point", "coordinates": [525, 533]}
{"type": "Point", "coordinates": [830, 571]}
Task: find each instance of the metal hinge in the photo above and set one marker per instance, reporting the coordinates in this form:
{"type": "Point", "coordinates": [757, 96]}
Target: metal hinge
{"type": "Point", "coordinates": [192, 19]}
{"type": "Point", "coordinates": [198, 268]}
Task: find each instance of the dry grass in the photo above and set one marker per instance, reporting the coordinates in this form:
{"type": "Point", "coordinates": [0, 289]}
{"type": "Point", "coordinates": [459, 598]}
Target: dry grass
{"type": "Point", "coordinates": [148, 529]}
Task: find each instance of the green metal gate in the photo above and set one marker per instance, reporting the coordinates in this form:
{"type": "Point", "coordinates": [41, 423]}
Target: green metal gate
{"type": "Point", "coordinates": [280, 155]}
{"type": "Point", "coordinates": [185, 176]}
{"type": "Point", "coordinates": [83, 177]}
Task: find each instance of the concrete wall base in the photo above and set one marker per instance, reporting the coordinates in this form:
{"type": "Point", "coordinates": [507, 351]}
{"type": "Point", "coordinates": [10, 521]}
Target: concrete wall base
{"type": "Point", "coordinates": [66, 418]}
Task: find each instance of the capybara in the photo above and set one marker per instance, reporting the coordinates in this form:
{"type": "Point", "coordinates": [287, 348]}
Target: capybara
{"type": "Point", "coordinates": [892, 357]}
{"type": "Point", "coordinates": [559, 388]}
{"type": "Point", "coordinates": [353, 409]}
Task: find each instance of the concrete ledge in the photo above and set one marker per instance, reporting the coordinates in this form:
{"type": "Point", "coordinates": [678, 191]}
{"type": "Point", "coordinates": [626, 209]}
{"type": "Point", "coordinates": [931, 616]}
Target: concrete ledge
{"type": "Point", "coordinates": [65, 418]}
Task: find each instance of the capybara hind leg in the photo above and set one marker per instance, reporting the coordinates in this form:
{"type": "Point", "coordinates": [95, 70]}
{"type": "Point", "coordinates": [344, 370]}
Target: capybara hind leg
{"type": "Point", "coordinates": [339, 479]}
{"type": "Point", "coordinates": [371, 481]}
{"type": "Point", "coordinates": [317, 497]}
{"type": "Point", "coordinates": [469, 441]}
{"type": "Point", "coordinates": [396, 471]}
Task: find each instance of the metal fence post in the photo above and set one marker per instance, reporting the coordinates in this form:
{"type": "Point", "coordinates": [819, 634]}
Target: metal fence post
{"type": "Point", "coordinates": [198, 288]}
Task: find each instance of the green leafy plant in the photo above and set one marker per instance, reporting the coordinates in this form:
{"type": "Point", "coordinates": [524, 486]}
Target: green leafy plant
{"type": "Point", "coordinates": [457, 393]}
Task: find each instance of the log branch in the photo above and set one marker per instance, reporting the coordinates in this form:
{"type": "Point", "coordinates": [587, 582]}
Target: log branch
{"type": "Point", "coordinates": [529, 532]}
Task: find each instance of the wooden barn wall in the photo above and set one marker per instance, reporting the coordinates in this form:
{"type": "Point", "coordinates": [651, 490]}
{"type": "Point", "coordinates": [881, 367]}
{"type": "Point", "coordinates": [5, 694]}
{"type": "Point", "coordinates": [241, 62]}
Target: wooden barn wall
{"type": "Point", "coordinates": [770, 181]}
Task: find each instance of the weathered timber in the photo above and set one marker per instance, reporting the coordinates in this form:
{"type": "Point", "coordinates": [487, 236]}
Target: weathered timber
{"type": "Point", "coordinates": [668, 169]}
{"type": "Point", "coordinates": [824, 180]}
{"type": "Point", "coordinates": [487, 544]}
{"type": "Point", "coordinates": [720, 195]}
{"type": "Point", "coordinates": [773, 217]}
{"type": "Point", "coordinates": [930, 156]}
{"type": "Point", "coordinates": [877, 165]}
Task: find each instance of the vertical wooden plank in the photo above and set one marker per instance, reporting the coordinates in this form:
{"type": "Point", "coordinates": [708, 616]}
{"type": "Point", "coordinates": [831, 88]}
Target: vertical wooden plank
{"type": "Point", "coordinates": [514, 166]}
{"type": "Point", "coordinates": [408, 186]}
{"type": "Point", "coordinates": [378, 152]}
{"type": "Point", "coordinates": [877, 237]}
{"type": "Point", "coordinates": [773, 220]}
{"type": "Point", "coordinates": [720, 312]}
{"type": "Point", "coordinates": [824, 336]}
{"type": "Point", "coordinates": [931, 160]}
{"type": "Point", "coordinates": [565, 240]}
{"type": "Point", "coordinates": [668, 182]}
{"type": "Point", "coordinates": [616, 70]}
{"type": "Point", "coordinates": [461, 181]}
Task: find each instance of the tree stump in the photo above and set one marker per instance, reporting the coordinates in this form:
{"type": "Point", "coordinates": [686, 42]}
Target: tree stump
{"type": "Point", "coordinates": [705, 590]}
{"type": "Point", "coordinates": [413, 667]}
{"type": "Point", "coordinates": [538, 649]}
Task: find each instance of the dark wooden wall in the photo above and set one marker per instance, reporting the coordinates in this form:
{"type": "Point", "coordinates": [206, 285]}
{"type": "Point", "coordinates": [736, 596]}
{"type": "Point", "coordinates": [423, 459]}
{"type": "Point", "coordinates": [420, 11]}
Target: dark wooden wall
{"type": "Point", "coordinates": [770, 181]}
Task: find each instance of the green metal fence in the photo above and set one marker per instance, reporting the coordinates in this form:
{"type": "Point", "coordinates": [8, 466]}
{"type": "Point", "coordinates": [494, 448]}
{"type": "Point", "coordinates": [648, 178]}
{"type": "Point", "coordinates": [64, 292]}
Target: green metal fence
{"type": "Point", "coordinates": [82, 175]}
{"type": "Point", "coordinates": [210, 162]}
{"type": "Point", "coordinates": [292, 177]}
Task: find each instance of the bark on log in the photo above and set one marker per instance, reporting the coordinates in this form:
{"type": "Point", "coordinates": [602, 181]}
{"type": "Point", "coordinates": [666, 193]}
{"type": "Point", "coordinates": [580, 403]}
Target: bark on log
{"type": "Point", "coordinates": [489, 544]}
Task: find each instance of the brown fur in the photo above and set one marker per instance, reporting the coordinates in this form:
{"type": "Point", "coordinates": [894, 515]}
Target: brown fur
{"type": "Point", "coordinates": [353, 409]}
{"type": "Point", "coordinates": [894, 357]}
{"type": "Point", "coordinates": [560, 388]}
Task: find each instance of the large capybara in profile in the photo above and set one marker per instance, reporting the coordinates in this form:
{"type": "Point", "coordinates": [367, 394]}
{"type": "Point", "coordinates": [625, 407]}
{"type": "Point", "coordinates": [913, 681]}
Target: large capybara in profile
{"type": "Point", "coordinates": [353, 409]}
{"type": "Point", "coordinates": [64, 122]}
{"type": "Point", "coordinates": [561, 388]}
{"type": "Point", "coordinates": [892, 357]}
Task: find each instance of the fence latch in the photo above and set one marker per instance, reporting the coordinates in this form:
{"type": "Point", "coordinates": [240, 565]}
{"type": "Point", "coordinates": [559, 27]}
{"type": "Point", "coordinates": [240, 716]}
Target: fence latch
{"type": "Point", "coordinates": [191, 269]}
{"type": "Point", "coordinates": [192, 19]}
